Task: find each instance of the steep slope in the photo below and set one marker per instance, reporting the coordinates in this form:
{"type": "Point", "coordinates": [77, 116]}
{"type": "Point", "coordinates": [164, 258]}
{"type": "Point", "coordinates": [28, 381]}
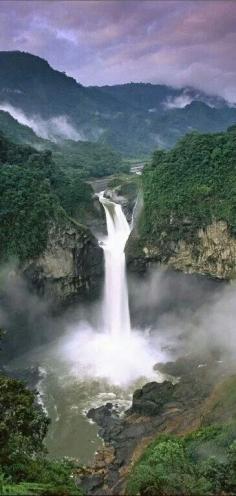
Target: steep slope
{"type": "Point", "coordinates": [28, 82]}
{"type": "Point", "coordinates": [188, 219]}
{"type": "Point", "coordinates": [18, 133]}
{"type": "Point", "coordinates": [70, 267]}
{"type": "Point", "coordinates": [88, 159]}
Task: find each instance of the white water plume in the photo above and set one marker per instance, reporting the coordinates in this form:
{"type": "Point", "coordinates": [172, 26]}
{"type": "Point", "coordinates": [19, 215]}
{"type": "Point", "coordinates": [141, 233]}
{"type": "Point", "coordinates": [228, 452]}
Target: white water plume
{"type": "Point", "coordinates": [113, 352]}
{"type": "Point", "coordinates": [115, 306]}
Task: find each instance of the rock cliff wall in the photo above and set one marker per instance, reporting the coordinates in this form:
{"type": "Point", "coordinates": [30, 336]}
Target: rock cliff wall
{"type": "Point", "coordinates": [211, 253]}
{"type": "Point", "coordinates": [71, 267]}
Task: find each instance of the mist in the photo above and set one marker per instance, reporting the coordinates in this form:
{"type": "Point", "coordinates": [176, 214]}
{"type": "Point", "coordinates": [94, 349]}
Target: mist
{"type": "Point", "coordinates": [189, 314]}
{"type": "Point", "coordinates": [78, 366]}
{"type": "Point", "coordinates": [52, 129]}
{"type": "Point", "coordinates": [178, 102]}
{"type": "Point", "coordinates": [179, 314]}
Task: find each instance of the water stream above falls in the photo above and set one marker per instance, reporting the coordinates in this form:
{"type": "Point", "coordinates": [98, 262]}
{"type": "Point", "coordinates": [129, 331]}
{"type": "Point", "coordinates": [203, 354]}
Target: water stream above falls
{"type": "Point", "coordinates": [95, 363]}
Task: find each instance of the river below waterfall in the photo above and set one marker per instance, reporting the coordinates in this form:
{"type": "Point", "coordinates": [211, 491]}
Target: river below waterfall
{"type": "Point", "coordinates": [67, 391]}
{"type": "Point", "coordinates": [93, 364]}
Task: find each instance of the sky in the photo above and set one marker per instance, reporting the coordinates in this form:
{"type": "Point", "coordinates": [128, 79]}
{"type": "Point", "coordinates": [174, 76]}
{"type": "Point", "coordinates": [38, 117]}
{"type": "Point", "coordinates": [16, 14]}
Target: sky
{"type": "Point", "coordinates": [174, 42]}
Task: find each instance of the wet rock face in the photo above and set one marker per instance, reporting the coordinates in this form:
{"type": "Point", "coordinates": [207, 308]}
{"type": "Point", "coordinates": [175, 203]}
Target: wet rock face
{"type": "Point", "coordinates": [105, 416]}
{"type": "Point", "coordinates": [70, 268]}
{"type": "Point", "coordinates": [213, 253]}
{"type": "Point", "coordinates": [125, 195]}
{"type": "Point", "coordinates": [151, 398]}
{"type": "Point", "coordinates": [156, 408]}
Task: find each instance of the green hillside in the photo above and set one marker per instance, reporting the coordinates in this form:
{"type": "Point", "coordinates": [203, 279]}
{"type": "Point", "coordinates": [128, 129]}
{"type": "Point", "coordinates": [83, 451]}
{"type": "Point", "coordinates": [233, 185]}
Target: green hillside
{"type": "Point", "coordinates": [188, 187]}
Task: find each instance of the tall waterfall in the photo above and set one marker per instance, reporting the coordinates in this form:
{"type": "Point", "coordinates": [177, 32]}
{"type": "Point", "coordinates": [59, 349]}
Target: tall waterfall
{"type": "Point", "coordinates": [116, 317]}
{"type": "Point", "coordinates": [110, 350]}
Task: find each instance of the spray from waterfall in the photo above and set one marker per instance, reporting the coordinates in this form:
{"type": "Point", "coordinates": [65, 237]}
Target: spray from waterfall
{"type": "Point", "coordinates": [116, 317]}
{"type": "Point", "coordinates": [112, 351]}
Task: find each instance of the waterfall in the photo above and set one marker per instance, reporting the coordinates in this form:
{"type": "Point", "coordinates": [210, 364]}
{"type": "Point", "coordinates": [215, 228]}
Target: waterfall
{"type": "Point", "coordinates": [115, 311]}
{"type": "Point", "coordinates": [110, 350]}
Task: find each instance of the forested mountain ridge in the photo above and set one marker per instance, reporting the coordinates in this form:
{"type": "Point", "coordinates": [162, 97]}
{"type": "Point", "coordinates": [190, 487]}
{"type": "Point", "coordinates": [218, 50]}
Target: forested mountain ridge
{"type": "Point", "coordinates": [153, 97]}
{"type": "Point", "coordinates": [86, 159]}
{"type": "Point", "coordinates": [188, 219]}
{"type": "Point", "coordinates": [19, 133]}
{"type": "Point", "coordinates": [134, 118]}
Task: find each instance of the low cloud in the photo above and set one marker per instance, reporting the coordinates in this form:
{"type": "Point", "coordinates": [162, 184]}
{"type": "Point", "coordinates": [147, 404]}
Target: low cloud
{"type": "Point", "coordinates": [52, 129]}
{"type": "Point", "coordinates": [178, 102]}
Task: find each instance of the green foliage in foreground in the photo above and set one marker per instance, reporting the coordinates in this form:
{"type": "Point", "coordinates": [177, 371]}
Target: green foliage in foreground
{"type": "Point", "coordinates": [188, 187]}
{"type": "Point", "coordinates": [24, 466]}
{"type": "Point", "coordinates": [203, 463]}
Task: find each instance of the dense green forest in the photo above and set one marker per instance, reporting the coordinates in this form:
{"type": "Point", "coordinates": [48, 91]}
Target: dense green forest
{"type": "Point", "coordinates": [88, 158]}
{"type": "Point", "coordinates": [189, 186]}
{"type": "Point", "coordinates": [34, 192]}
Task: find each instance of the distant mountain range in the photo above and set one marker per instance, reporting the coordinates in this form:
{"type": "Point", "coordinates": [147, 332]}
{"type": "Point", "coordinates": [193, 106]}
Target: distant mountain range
{"type": "Point", "coordinates": [133, 118]}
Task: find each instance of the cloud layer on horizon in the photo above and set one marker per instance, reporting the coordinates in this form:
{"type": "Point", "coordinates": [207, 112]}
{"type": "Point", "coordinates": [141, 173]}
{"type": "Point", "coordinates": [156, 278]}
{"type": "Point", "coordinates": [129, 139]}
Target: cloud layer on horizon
{"type": "Point", "coordinates": [174, 42]}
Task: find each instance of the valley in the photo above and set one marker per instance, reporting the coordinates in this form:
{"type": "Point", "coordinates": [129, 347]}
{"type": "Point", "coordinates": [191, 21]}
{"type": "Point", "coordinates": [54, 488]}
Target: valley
{"type": "Point", "coordinates": [117, 286]}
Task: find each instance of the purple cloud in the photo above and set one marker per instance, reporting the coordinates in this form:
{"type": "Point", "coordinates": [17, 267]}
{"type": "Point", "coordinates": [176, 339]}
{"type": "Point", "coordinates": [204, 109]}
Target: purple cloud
{"type": "Point", "coordinates": [175, 42]}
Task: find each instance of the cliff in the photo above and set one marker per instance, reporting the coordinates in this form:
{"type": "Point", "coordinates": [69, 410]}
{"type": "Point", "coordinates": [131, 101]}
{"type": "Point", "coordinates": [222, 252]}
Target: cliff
{"type": "Point", "coordinates": [188, 218]}
{"type": "Point", "coordinates": [212, 253]}
{"type": "Point", "coordinates": [70, 267]}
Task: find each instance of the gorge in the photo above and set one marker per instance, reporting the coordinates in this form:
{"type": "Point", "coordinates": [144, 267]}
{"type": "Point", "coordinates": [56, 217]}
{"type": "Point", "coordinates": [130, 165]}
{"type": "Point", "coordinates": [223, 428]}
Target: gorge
{"type": "Point", "coordinates": [117, 287]}
{"type": "Point", "coordinates": [93, 362]}
{"type": "Point", "coordinates": [92, 368]}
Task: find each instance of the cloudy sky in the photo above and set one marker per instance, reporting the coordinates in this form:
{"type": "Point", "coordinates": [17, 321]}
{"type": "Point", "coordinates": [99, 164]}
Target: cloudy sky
{"type": "Point", "coordinates": [175, 42]}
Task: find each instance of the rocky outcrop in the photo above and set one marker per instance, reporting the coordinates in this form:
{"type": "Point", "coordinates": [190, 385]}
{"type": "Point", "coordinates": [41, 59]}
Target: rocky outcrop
{"type": "Point", "coordinates": [71, 266]}
{"type": "Point", "coordinates": [125, 194]}
{"type": "Point", "coordinates": [211, 253]}
{"type": "Point", "coordinates": [176, 406]}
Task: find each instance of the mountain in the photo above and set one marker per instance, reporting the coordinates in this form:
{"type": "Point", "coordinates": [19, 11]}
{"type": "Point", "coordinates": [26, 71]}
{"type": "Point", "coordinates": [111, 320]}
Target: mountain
{"type": "Point", "coordinates": [28, 82]}
{"type": "Point", "coordinates": [134, 118]}
{"type": "Point", "coordinates": [157, 97]}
